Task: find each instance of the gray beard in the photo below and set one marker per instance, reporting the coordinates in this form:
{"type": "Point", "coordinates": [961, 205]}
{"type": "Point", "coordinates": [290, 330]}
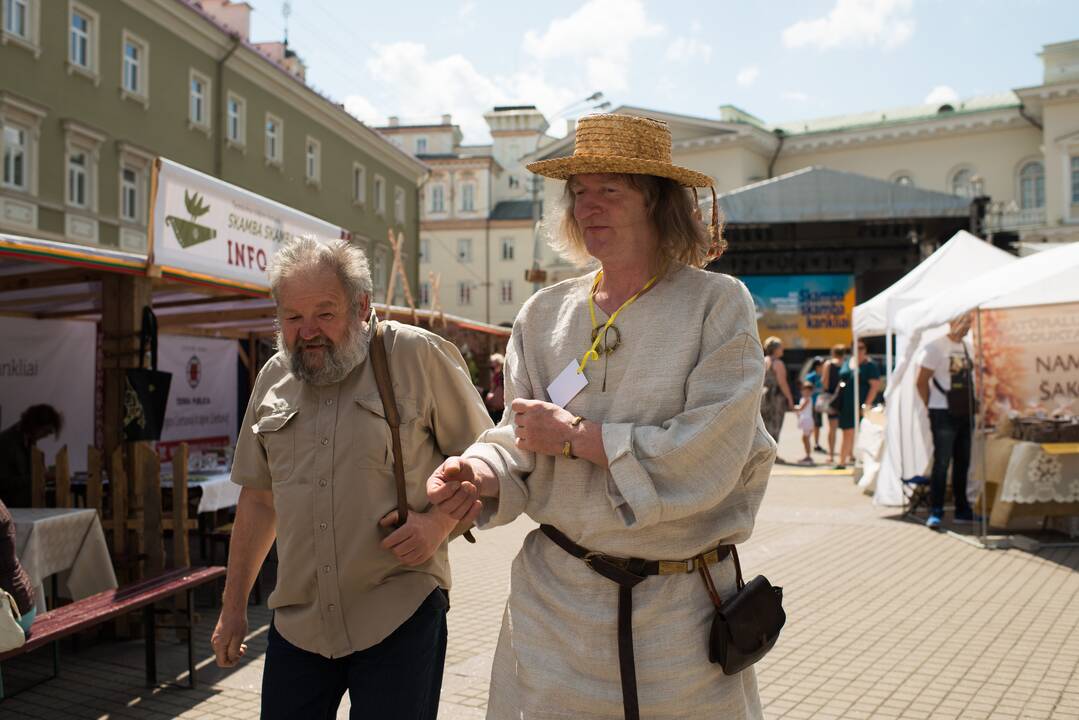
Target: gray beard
{"type": "Point", "coordinates": [338, 359]}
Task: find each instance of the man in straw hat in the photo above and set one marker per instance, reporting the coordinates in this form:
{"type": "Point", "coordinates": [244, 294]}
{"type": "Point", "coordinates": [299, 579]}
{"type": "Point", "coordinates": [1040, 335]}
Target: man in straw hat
{"type": "Point", "coordinates": [633, 434]}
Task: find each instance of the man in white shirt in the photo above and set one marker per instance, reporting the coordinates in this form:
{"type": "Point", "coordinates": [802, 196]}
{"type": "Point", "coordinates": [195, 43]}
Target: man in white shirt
{"type": "Point", "coordinates": [945, 384]}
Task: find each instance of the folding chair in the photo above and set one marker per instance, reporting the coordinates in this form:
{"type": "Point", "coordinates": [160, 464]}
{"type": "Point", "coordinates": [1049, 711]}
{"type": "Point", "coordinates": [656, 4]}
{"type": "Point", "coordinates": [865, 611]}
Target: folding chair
{"type": "Point", "coordinates": [915, 495]}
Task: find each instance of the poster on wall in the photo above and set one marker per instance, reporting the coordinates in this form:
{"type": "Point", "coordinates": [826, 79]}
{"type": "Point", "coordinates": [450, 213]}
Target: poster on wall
{"type": "Point", "coordinates": [202, 397]}
{"type": "Point", "coordinates": [804, 311]}
{"type": "Point", "coordinates": [1030, 360]}
{"type": "Point", "coordinates": [203, 226]}
{"type": "Point", "coordinates": [50, 362]}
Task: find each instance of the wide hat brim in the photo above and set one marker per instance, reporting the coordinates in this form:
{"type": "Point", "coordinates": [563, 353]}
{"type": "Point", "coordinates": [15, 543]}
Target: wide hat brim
{"type": "Point", "coordinates": [580, 163]}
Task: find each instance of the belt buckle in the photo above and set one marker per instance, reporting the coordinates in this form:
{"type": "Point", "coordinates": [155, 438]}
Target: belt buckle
{"type": "Point", "coordinates": [676, 567]}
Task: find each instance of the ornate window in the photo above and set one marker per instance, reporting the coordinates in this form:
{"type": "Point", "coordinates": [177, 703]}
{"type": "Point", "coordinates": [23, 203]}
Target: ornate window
{"type": "Point", "coordinates": [1032, 186]}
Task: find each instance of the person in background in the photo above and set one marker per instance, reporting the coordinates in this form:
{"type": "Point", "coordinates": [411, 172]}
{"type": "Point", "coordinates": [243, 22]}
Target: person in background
{"type": "Point", "coordinates": [13, 579]}
{"type": "Point", "coordinates": [814, 376]}
{"type": "Point", "coordinates": [944, 383]}
{"type": "Point", "coordinates": [805, 421]}
{"type": "Point", "coordinates": [868, 388]}
{"type": "Point", "coordinates": [829, 385]}
{"type": "Point", "coordinates": [495, 399]}
{"type": "Point", "coordinates": [36, 423]}
{"type": "Point", "coordinates": [777, 398]}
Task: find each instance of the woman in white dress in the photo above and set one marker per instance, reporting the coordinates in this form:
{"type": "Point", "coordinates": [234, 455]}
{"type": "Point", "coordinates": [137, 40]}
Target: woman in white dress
{"type": "Point", "coordinates": [633, 433]}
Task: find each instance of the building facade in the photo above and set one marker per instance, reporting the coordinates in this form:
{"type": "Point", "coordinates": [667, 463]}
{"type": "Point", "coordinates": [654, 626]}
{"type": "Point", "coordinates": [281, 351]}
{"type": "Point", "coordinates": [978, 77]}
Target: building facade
{"type": "Point", "coordinates": [1018, 148]}
{"type": "Point", "coordinates": [478, 214]}
{"type": "Point", "coordinates": [91, 91]}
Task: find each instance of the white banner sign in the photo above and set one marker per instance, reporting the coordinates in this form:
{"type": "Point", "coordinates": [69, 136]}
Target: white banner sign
{"type": "Point", "coordinates": [202, 395]}
{"type": "Point", "coordinates": [206, 226]}
{"type": "Point", "coordinates": [50, 362]}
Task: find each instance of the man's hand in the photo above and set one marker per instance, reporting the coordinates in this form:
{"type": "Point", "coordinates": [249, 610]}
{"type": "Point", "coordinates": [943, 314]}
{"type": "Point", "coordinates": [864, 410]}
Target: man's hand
{"type": "Point", "coordinates": [541, 427]}
{"type": "Point", "coordinates": [455, 490]}
{"type": "Point", "coordinates": [228, 637]}
{"type": "Point", "coordinates": [419, 538]}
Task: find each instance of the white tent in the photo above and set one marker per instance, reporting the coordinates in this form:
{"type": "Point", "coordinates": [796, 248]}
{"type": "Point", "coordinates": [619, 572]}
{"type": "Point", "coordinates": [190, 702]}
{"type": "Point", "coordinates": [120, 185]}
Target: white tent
{"type": "Point", "coordinates": [906, 433]}
{"type": "Point", "coordinates": [963, 255]}
{"type": "Point", "coordinates": [1047, 278]}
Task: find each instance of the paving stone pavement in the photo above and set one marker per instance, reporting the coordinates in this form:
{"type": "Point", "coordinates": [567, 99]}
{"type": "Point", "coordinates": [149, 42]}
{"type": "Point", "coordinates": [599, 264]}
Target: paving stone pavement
{"type": "Point", "coordinates": [885, 620]}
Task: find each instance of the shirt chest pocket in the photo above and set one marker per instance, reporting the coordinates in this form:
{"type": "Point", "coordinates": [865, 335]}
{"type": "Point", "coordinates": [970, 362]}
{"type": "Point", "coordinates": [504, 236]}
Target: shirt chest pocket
{"type": "Point", "coordinates": [374, 441]}
{"type": "Point", "coordinates": [278, 434]}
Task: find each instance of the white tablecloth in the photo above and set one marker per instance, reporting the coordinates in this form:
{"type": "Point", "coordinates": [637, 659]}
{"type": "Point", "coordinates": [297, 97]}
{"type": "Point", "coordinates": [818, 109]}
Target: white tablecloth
{"type": "Point", "coordinates": [1034, 475]}
{"type": "Point", "coordinates": [217, 489]}
{"type": "Point", "coordinates": [65, 541]}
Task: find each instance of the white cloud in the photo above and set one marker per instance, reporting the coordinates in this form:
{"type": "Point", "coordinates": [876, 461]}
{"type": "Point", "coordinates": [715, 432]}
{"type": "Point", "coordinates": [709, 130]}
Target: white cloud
{"type": "Point", "coordinates": [601, 33]}
{"type": "Point", "coordinates": [941, 94]}
{"type": "Point", "coordinates": [362, 109]}
{"type": "Point", "coordinates": [467, 9]}
{"type": "Point", "coordinates": [855, 23]}
{"type": "Point", "coordinates": [688, 49]}
{"type": "Point", "coordinates": [796, 96]}
{"type": "Point", "coordinates": [419, 88]}
{"type": "Point", "coordinates": [748, 75]}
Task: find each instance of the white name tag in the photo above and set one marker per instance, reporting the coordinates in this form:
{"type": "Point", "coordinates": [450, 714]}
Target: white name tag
{"type": "Point", "coordinates": [566, 386]}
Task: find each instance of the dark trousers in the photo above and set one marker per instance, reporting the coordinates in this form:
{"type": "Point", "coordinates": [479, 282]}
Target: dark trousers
{"type": "Point", "coordinates": [951, 444]}
{"type": "Point", "coordinates": [401, 677]}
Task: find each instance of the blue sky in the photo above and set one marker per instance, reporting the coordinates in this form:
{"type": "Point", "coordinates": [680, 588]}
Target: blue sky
{"type": "Point", "coordinates": [781, 60]}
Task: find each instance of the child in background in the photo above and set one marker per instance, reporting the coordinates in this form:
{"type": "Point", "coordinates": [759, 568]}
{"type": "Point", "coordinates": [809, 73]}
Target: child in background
{"type": "Point", "coordinates": [805, 421]}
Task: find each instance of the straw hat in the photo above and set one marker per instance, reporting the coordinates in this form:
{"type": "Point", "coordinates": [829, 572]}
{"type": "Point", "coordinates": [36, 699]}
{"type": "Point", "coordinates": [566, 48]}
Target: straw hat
{"type": "Point", "coordinates": [620, 144]}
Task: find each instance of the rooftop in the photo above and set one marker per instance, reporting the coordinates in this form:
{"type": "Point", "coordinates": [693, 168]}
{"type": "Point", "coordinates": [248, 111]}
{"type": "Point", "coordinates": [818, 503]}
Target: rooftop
{"type": "Point", "coordinates": [892, 116]}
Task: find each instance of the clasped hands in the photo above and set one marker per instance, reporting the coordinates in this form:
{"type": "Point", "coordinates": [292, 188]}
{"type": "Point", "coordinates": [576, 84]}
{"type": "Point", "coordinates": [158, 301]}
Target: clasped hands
{"type": "Point", "coordinates": [456, 487]}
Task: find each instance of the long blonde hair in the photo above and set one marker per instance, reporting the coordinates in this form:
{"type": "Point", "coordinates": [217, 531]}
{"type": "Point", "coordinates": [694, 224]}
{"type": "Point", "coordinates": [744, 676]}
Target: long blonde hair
{"type": "Point", "coordinates": [673, 212]}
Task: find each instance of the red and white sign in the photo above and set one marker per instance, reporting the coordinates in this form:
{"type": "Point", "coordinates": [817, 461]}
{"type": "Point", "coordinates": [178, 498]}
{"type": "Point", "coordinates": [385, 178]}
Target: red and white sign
{"type": "Point", "coordinates": [209, 227]}
{"type": "Point", "coordinates": [202, 396]}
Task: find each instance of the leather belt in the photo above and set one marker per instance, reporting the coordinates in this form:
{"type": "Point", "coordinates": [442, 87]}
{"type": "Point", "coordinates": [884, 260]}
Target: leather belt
{"type": "Point", "coordinates": [627, 573]}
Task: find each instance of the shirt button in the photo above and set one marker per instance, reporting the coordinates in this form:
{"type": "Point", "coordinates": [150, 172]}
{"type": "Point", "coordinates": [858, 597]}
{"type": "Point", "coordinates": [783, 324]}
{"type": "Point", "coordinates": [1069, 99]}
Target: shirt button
{"type": "Point", "coordinates": [322, 526]}
{"type": "Point", "coordinates": [325, 441]}
{"type": "Point", "coordinates": [329, 402]}
{"type": "Point", "coordinates": [331, 608]}
{"type": "Point", "coordinates": [325, 568]}
{"type": "Point", "coordinates": [322, 482]}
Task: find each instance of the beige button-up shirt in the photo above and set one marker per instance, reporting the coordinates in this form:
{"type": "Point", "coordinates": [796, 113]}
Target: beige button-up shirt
{"type": "Point", "coordinates": [327, 454]}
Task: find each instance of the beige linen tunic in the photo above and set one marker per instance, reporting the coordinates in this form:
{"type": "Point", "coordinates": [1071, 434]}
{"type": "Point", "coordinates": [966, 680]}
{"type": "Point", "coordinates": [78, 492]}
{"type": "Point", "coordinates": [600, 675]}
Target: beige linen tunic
{"type": "Point", "coordinates": [689, 461]}
{"type": "Point", "coordinates": [327, 454]}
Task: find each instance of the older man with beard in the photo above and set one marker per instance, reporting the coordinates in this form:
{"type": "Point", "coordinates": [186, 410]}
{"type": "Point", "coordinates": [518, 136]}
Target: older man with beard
{"type": "Point", "coordinates": [360, 603]}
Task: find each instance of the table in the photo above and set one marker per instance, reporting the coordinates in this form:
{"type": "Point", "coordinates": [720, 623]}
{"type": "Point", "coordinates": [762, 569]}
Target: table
{"type": "Point", "coordinates": [65, 541]}
{"type": "Point", "coordinates": [1026, 479]}
{"type": "Point", "coordinates": [216, 487]}
{"type": "Point", "coordinates": [217, 491]}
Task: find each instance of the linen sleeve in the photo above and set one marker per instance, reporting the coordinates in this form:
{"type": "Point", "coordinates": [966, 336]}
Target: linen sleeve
{"type": "Point", "coordinates": [457, 414]}
{"type": "Point", "coordinates": [497, 447]}
{"type": "Point", "coordinates": [250, 467]}
{"type": "Point", "coordinates": [695, 460]}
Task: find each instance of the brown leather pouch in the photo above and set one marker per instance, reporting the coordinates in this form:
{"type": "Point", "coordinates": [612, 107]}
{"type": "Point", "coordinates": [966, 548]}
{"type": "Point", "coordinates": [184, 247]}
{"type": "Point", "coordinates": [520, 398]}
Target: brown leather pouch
{"type": "Point", "coordinates": [746, 626]}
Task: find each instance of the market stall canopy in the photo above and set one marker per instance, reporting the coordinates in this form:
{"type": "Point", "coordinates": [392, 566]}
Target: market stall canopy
{"type": "Point", "coordinates": [1047, 278]}
{"type": "Point", "coordinates": [963, 255]}
{"type": "Point", "coordinates": [819, 194]}
{"type": "Point", "coordinates": [45, 279]}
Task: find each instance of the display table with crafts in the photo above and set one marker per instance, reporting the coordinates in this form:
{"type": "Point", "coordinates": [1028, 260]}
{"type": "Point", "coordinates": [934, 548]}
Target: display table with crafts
{"type": "Point", "coordinates": [68, 542]}
{"type": "Point", "coordinates": [1027, 479]}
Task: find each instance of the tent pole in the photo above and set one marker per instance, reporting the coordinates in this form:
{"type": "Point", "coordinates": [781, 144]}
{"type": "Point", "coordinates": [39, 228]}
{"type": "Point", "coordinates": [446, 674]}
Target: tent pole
{"type": "Point", "coordinates": [887, 356]}
{"type": "Point", "coordinates": [980, 409]}
{"type": "Point", "coordinates": [857, 408]}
